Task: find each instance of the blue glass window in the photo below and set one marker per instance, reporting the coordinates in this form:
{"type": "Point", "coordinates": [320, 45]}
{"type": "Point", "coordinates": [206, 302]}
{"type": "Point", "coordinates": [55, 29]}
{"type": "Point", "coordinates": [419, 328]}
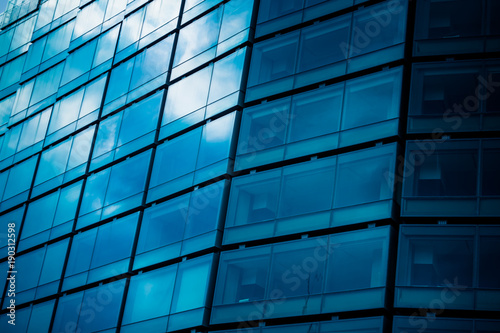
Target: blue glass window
{"type": "Point", "coordinates": [15, 183]}
{"type": "Point", "coordinates": [6, 105]}
{"type": "Point", "coordinates": [454, 98]}
{"type": "Point", "coordinates": [275, 15]}
{"type": "Point", "coordinates": [180, 226]}
{"type": "Point", "coordinates": [101, 252]}
{"type": "Point", "coordinates": [435, 186]}
{"type": "Point", "coordinates": [148, 300]}
{"type": "Point", "coordinates": [49, 46]}
{"type": "Point", "coordinates": [450, 26]}
{"type": "Point", "coordinates": [37, 93]}
{"type": "Point", "coordinates": [63, 162]}
{"type": "Point", "coordinates": [318, 44]}
{"type": "Point", "coordinates": [193, 8]}
{"type": "Point", "coordinates": [18, 36]}
{"type": "Point", "coordinates": [311, 122]}
{"type": "Point", "coordinates": [362, 177]}
{"type": "Point", "coordinates": [296, 271]}
{"type": "Point", "coordinates": [377, 32]}
{"type": "Point", "coordinates": [42, 270]}
{"type": "Point", "coordinates": [94, 14]}
{"type": "Point", "coordinates": [114, 190]}
{"type": "Point", "coordinates": [154, 20]}
{"type": "Point", "coordinates": [333, 191]}
{"type": "Point", "coordinates": [203, 94]}
{"type": "Point", "coordinates": [273, 59]}
{"type": "Point", "coordinates": [378, 27]}
{"type": "Point", "coordinates": [50, 217]}
{"type": "Point", "coordinates": [76, 110]}
{"type": "Point", "coordinates": [372, 99]}
{"type": "Point", "coordinates": [436, 260]}
{"type": "Point", "coordinates": [170, 298]}
{"type": "Point", "coordinates": [200, 154]}
{"type": "Point", "coordinates": [107, 298]}
{"type": "Point", "coordinates": [10, 73]}
{"type": "Point", "coordinates": [126, 131]}
{"type": "Point", "coordinates": [78, 62]}
{"type": "Point", "coordinates": [144, 72]}
{"type": "Point", "coordinates": [51, 10]}
{"type": "Point", "coordinates": [24, 139]}
{"type": "Point", "coordinates": [223, 28]}
{"type": "Point", "coordinates": [16, 10]}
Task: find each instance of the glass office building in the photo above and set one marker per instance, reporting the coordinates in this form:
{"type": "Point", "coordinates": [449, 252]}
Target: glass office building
{"type": "Point", "coordinates": [250, 166]}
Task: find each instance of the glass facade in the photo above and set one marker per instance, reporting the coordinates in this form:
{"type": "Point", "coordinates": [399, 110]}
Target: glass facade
{"type": "Point", "coordinates": [299, 166]}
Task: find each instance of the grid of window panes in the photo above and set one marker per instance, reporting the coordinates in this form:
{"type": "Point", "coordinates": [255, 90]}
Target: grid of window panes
{"type": "Point", "coordinates": [241, 165]}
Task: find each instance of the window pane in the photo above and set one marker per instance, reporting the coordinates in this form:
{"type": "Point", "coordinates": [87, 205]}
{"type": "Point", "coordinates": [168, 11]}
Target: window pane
{"type": "Point", "coordinates": [441, 19]}
{"type": "Point", "coordinates": [438, 175]}
{"type": "Point", "coordinates": [152, 62]}
{"type": "Point", "coordinates": [131, 29]}
{"type": "Point", "coordinates": [89, 17]}
{"type": "Point", "coordinates": [46, 84]}
{"type": "Point", "coordinates": [243, 279]}
{"type": "Point", "coordinates": [119, 80]}
{"type": "Point", "coordinates": [65, 157]}
{"type": "Point", "coordinates": [216, 140]}
{"type": "Point", "coordinates": [204, 207]}
{"type": "Point", "coordinates": [319, 44]}
{"type": "Point", "coordinates": [163, 224]}
{"type": "Point", "coordinates": [105, 48]}
{"type": "Point", "coordinates": [111, 295]}
{"type": "Point", "coordinates": [307, 188]}
{"type": "Point", "coordinates": [226, 77]}
{"type": "Point", "coordinates": [254, 198]}
{"type": "Point", "coordinates": [191, 284]}
{"type": "Point", "coordinates": [490, 175]}
{"type": "Point", "coordinates": [273, 59]}
{"type": "Point", "coordinates": [58, 40]}
{"type": "Point", "coordinates": [114, 241]}
{"type": "Point", "coordinates": [371, 99]}
{"type": "Point", "coordinates": [264, 126]}
{"type": "Point", "coordinates": [436, 262]}
{"type": "Point", "coordinates": [150, 295]}
{"type": "Point", "coordinates": [127, 178]}
{"type": "Point", "coordinates": [190, 44]}
{"type": "Point", "coordinates": [77, 105]}
{"type": "Point", "coordinates": [50, 216]}
{"type": "Point", "coordinates": [369, 34]}
{"type": "Point", "coordinates": [287, 270]}
{"type": "Point", "coordinates": [79, 62]}
{"type": "Point", "coordinates": [158, 13]}
{"type": "Point", "coordinates": [270, 9]}
{"type": "Point", "coordinates": [187, 95]}
{"type": "Point", "coordinates": [438, 90]}
{"type": "Point", "coordinates": [489, 254]}
{"type": "Point", "coordinates": [362, 176]}
{"type": "Point", "coordinates": [166, 167]}
{"type": "Point", "coordinates": [18, 178]}
{"type": "Point", "coordinates": [356, 264]}
{"type": "Point", "coordinates": [315, 113]}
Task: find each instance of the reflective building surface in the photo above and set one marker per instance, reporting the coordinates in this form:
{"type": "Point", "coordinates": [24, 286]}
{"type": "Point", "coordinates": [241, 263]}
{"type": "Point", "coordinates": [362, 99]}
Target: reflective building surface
{"type": "Point", "coordinates": [250, 166]}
